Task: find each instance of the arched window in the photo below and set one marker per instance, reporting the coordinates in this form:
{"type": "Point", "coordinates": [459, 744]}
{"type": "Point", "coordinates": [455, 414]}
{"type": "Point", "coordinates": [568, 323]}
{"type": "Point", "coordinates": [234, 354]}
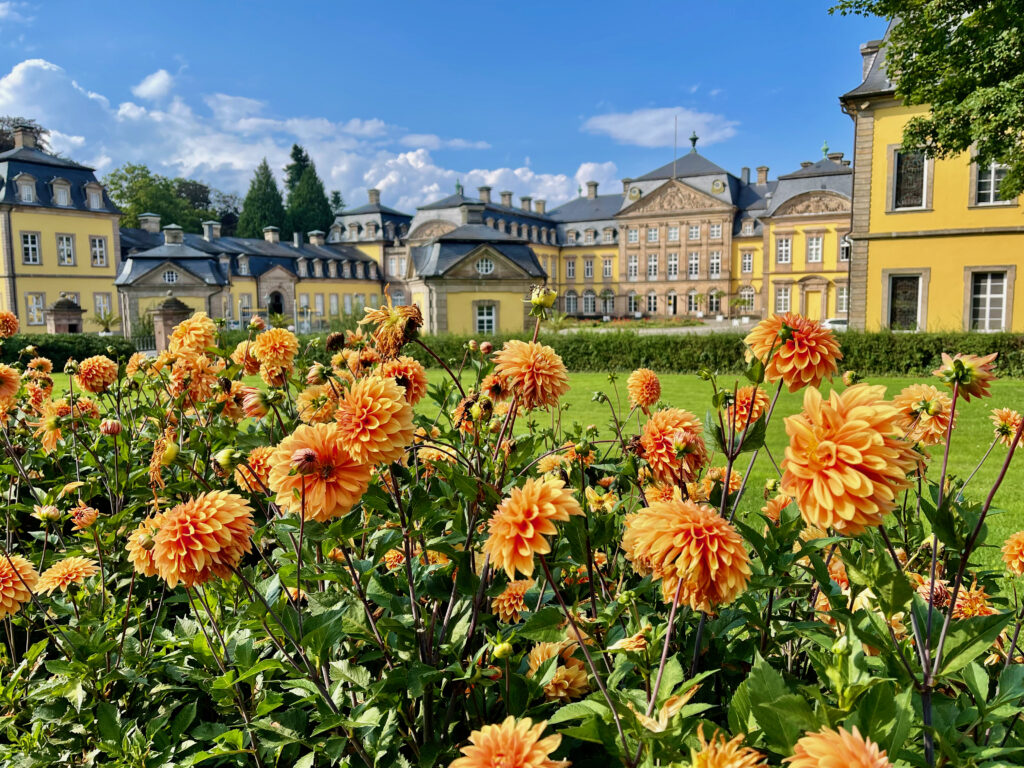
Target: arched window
{"type": "Point", "coordinates": [633, 302]}
{"type": "Point", "coordinates": [589, 302]}
{"type": "Point", "coordinates": [652, 302]}
{"type": "Point", "coordinates": [671, 303]}
{"type": "Point", "coordinates": [691, 302]}
{"type": "Point", "coordinates": [570, 303]}
{"type": "Point", "coordinates": [607, 302]}
{"type": "Point", "coordinates": [747, 299]}
{"type": "Point", "coordinates": [715, 302]}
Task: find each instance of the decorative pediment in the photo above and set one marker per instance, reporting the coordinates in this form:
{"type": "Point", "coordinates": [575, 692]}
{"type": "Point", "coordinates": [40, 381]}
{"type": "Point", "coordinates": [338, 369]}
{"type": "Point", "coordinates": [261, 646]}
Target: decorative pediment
{"type": "Point", "coordinates": [501, 267]}
{"type": "Point", "coordinates": [814, 203]}
{"type": "Point", "coordinates": [674, 197]}
{"type": "Point", "coordinates": [431, 229]}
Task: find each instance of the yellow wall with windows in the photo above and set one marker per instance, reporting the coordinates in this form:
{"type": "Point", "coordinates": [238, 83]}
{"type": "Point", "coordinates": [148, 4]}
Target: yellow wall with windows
{"type": "Point", "coordinates": [741, 245]}
{"type": "Point", "coordinates": [578, 253]}
{"type": "Point", "coordinates": [461, 318]}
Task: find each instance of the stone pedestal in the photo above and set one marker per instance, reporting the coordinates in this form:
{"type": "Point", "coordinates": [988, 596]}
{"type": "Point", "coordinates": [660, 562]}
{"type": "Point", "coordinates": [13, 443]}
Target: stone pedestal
{"type": "Point", "coordinates": [165, 316]}
{"type": "Point", "coordinates": [64, 316]}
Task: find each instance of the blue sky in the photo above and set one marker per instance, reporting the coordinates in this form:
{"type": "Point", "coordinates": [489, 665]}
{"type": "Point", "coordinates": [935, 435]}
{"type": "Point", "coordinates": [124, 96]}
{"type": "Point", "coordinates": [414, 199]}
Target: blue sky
{"type": "Point", "coordinates": [409, 96]}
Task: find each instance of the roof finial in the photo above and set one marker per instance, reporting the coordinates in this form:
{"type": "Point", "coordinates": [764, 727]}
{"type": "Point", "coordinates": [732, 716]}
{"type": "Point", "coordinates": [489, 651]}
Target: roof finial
{"type": "Point", "coordinates": [579, 190]}
{"type": "Point", "coordinates": [824, 149]}
{"type": "Point", "coordinates": [693, 141]}
{"type": "Point", "coordinates": [458, 187]}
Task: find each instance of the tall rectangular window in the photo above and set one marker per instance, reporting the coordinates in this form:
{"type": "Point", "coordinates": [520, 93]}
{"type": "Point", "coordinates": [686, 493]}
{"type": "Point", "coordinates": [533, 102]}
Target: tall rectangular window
{"type": "Point", "coordinates": [673, 234]}
{"type": "Point", "coordinates": [633, 267]}
{"type": "Point", "coordinates": [318, 304]}
{"type": "Point", "coordinates": [633, 236]}
{"type": "Point", "coordinates": [988, 301]}
{"type": "Point", "coordinates": [673, 266]}
{"type": "Point", "coordinates": [989, 179]}
{"type": "Point", "coordinates": [588, 268]}
{"type": "Point", "coordinates": [652, 234]}
{"type": "Point", "coordinates": [98, 251]}
{"type": "Point", "coordinates": [652, 302]}
{"type": "Point", "coordinates": [715, 231]}
{"type": "Point", "coordinates": [333, 304]}
{"type": "Point", "coordinates": [101, 303]}
{"type": "Point", "coordinates": [715, 265]}
{"type": "Point", "coordinates": [652, 266]}
{"type": "Point", "coordinates": [693, 266]}
{"type": "Point", "coordinates": [783, 250]}
{"type": "Point", "coordinates": [346, 302]}
{"type": "Point", "coordinates": [845, 247]}
{"type": "Point", "coordinates": [66, 250]}
{"type": "Point", "coordinates": [588, 237]}
{"type": "Point", "coordinates": [842, 298]}
{"type": "Point", "coordinates": [904, 302]}
{"type": "Point", "coordinates": [909, 180]}
{"type": "Point", "coordinates": [34, 303]}
{"type": "Point", "coordinates": [607, 268]}
{"type": "Point", "coordinates": [609, 236]}
{"type": "Point", "coordinates": [570, 269]}
{"type": "Point", "coordinates": [782, 298]}
{"type": "Point", "coordinates": [814, 249]}
{"type": "Point", "coordinates": [747, 263]}
{"type": "Point", "coordinates": [694, 232]}
{"type": "Point", "coordinates": [61, 196]}
{"type": "Point", "coordinates": [30, 249]}
{"type": "Point", "coordinates": [485, 318]}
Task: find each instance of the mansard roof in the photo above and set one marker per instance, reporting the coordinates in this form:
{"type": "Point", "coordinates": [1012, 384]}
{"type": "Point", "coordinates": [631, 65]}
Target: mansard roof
{"type": "Point", "coordinates": [442, 253]}
{"type": "Point", "coordinates": [876, 81]}
{"type": "Point", "coordinates": [46, 168]}
{"type": "Point", "coordinates": [691, 164]}
{"type": "Point", "coordinates": [587, 209]}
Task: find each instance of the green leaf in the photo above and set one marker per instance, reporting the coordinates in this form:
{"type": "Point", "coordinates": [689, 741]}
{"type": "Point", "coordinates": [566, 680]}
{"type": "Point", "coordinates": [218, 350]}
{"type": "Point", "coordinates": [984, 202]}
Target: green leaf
{"type": "Point", "coordinates": [784, 720]}
{"type": "Point", "coordinates": [969, 638]}
{"type": "Point", "coordinates": [108, 722]}
{"type": "Point", "coordinates": [306, 761]}
{"type": "Point", "coordinates": [544, 626]}
{"type": "Point", "coordinates": [580, 709]}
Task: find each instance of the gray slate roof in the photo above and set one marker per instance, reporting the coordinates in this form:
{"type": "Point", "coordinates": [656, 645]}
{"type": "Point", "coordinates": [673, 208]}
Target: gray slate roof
{"type": "Point", "coordinates": [45, 168]}
{"type": "Point", "coordinates": [691, 164]}
{"type": "Point", "coordinates": [588, 209]}
{"type": "Point", "coordinates": [877, 80]}
{"type": "Point", "coordinates": [441, 254]}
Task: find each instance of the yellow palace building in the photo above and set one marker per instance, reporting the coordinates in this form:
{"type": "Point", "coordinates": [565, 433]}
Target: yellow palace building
{"type": "Point", "coordinates": [935, 246]}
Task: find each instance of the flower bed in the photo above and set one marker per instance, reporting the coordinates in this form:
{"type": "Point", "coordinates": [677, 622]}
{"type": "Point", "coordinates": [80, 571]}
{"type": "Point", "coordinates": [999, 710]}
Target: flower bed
{"type": "Point", "coordinates": [315, 572]}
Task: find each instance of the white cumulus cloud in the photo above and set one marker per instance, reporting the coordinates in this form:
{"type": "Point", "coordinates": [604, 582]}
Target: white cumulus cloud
{"type": "Point", "coordinates": [654, 127]}
{"type": "Point", "coordinates": [154, 86]}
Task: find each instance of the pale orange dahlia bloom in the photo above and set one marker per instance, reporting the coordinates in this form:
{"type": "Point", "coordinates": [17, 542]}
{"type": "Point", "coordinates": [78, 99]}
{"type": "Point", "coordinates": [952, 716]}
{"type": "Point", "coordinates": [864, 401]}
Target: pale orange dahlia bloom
{"type": "Point", "coordinates": [255, 476]}
{"type": "Point", "coordinates": [8, 324]}
{"type": "Point", "coordinates": [837, 749]}
{"type": "Point", "coordinates": [717, 475]}
{"type": "Point", "coordinates": [245, 359]}
{"type": "Point", "coordinates": [394, 559]}
{"type": "Point", "coordinates": [495, 387]}
{"type": "Point", "coordinates": [549, 463]}
{"type": "Point", "coordinates": [193, 335]}
{"type": "Point", "coordinates": [923, 414]}
{"type": "Point", "coordinates": [644, 388]}
{"type": "Point", "coordinates": [96, 374]}
{"type": "Point", "coordinates": [510, 603]}
{"type": "Point", "coordinates": [720, 753]}
{"type": "Point", "coordinates": [972, 601]}
{"type": "Point", "coordinates": [520, 523]}
{"type": "Point", "coordinates": [40, 365]}
{"type": "Point", "coordinates": [635, 643]}
{"type": "Point", "coordinates": [662, 492]}
{"type": "Point", "coordinates": [10, 381]}
{"type": "Point", "coordinates": [773, 509]}
{"type": "Point", "coordinates": [18, 579]}
{"type": "Point", "coordinates": [407, 372]}
{"type": "Point", "coordinates": [276, 347]}
{"type": "Point", "coordinates": [569, 682]}
{"type": "Point", "coordinates": [396, 326]}
{"type": "Point", "coordinates": [47, 427]}
{"type": "Point", "coordinates": [533, 371]}
{"type": "Point", "coordinates": [255, 402]}
{"type": "Point", "coordinates": [1006, 422]}
{"type": "Point", "coordinates": [672, 444]}
{"type": "Point", "coordinates": [512, 744]}
{"type": "Point", "coordinates": [974, 374]}
{"type": "Point", "coordinates": [682, 540]}
{"type": "Point", "coordinates": [846, 461]}
{"type": "Point", "coordinates": [375, 420]}
{"type": "Point", "coordinates": [203, 538]}
{"type": "Point", "coordinates": [805, 353]}
{"type": "Point", "coordinates": [316, 404]}
{"type": "Point", "coordinates": [1013, 553]}
{"type": "Point", "coordinates": [70, 570]}
{"type": "Point", "coordinates": [141, 542]}
{"type": "Point", "coordinates": [432, 455]}
{"type": "Point", "coordinates": [139, 361]}
{"type": "Point", "coordinates": [83, 516]}
{"type": "Point", "coordinates": [749, 404]}
{"type": "Point", "coordinates": [311, 469]}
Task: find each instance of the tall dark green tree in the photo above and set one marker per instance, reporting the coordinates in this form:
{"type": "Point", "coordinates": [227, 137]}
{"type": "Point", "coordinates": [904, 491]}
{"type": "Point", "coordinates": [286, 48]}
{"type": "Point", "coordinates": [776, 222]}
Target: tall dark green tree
{"type": "Point", "coordinates": [308, 208]}
{"type": "Point", "coordinates": [294, 170]}
{"type": "Point", "coordinates": [337, 202]}
{"type": "Point", "coordinates": [262, 206]}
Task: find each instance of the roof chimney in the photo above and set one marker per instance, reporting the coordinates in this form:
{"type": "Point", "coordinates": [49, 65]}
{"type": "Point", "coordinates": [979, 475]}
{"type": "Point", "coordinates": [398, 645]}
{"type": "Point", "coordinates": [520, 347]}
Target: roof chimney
{"type": "Point", "coordinates": [272, 234]}
{"type": "Point", "coordinates": [374, 196]}
{"type": "Point", "coordinates": [526, 200]}
{"type": "Point", "coordinates": [762, 174]}
{"type": "Point", "coordinates": [835, 157]}
{"type": "Point", "coordinates": [316, 237]}
{"type": "Point", "coordinates": [591, 189]}
{"type": "Point", "coordinates": [173, 235]}
{"type": "Point", "coordinates": [485, 194]}
{"type": "Point", "coordinates": [806, 164]}
{"type": "Point", "coordinates": [846, 163]}
{"type": "Point", "coordinates": [24, 136]}
{"type": "Point", "coordinates": [149, 222]}
{"type": "Point", "coordinates": [506, 198]}
{"type": "Point", "coordinates": [745, 175]}
{"type": "Point", "coordinates": [538, 206]}
{"type": "Point", "coordinates": [211, 230]}
{"type": "Point", "coordinates": [868, 51]}
{"type": "Point", "coordinates": [625, 185]}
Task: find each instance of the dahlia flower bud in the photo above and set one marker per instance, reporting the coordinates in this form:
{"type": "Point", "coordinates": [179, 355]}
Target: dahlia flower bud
{"type": "Point", "coordinates": [47, 513]}
{"type": "Point", "coordinates": [256, 323]}
{"type": "Point", "coordinates": [543, 297]}
{"type": "Point", "coordinates": [317, 374]}
{"type": "Point", "coordinates": [30, 350]}
{"type": "Point", "coordinates": [476, 412]}
{"type": "Point", "coordinates": [225, 459]}
{"type": "Point", "coordinates": [851, 377]}
{"type": "Point", "coordinates": [110, 427]}
{"type": "Point", "coordinates": [486, 407]}
{"type": "Point", "coordinates": [494, 427]}
{"type": "Point", "coordinates": [146, 541]}
{"type": "Point", "coordinates": [304, 461]}
{"type": "Point", "coordinates": [771, 486]}
{"type": "Point", "coordinates": [170, 454]}
{"type": "Point", "coordinates": [71, 366]}
{"type": "Point", "coordinates": [472, 345]}
{"type": "Point", "coordinates": [486, 348]}
{"type": "Point", "coordinates": [503, 650]}
{"type": "Point", "coordinates": [336, 555]}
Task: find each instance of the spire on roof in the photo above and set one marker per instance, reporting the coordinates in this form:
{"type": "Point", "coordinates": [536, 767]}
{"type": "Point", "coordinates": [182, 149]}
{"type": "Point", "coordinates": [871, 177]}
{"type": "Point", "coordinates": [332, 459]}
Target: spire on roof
{"type": "Point", "coordinates": [824, 149]}
{"type": "Point", "coordinates": [458, 187]}
{"type": "Point", "coordinates": [693, 141]}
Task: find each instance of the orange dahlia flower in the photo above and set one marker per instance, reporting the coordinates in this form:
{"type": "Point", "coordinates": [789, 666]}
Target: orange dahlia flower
{"type": "Point", "coordinates": [96, 374]}
{"type": "Point", "coordinates": [717, 475]}
{"type": "Point", "coordinates": [312, 469]}
{"type": "Point", "coordinates": [719, 753]}
{"type": "Point", "coordinates": [47, 427]}
{"type": "Point", "coordinates": [245, 359]}
{"type": "Point", "coordinates": [773, 509]}
{"type": "Point", "coordinates": [520, 523]}
{"type": "Point", "coordinates": [1013, 553]}
{"type": "Point", "coordinates": [70, 570]}
{"type": "Point", "coordinates": [139, 361]}
{"type": "Point", "coordinates": [805, 353]}
{"type": "Point", "coordinates": [750, 403]}
{"type": "Point", "coordinates": [511, 603]}
{"type": "Point", "coordinates": [672, 445]}
{"type": "Point", "coordinates": [662, 492]}
{"type": "Point", "coordinates": [255, 402]}
{"type": "Point", "coordinates": [407, 372]}
{"type": "Point", "coordinates": [141, 543]}
{"type": "Point", "coordinates": [512, 744]}
{"type": "Point", "coordinates": [845, 462]}
{"type": "Point", "coordinates": [396, 326]}
{"type": "Point", "coordinates": [203, 538]}
{"type": "Point", "coordinates": [533, 371]}
{"type": "Point", "coordinates": [316, 404]}
{"type": "Point", "coordinates": [276, 347]}
{"type": "Point", "coordinates": [375, 420]}
{"type": "Point", "coordinates": [644, 388]}
{"type": "Point", "coordinates": [569, 682]}
{"type": "Point", "coordinates": [635, 643]}
{"type": "Point", "coordinates": [255, 476]}
{"type": "Point", "coordinates": [923, 414]}
{"type": "Point", "coordinates": [552, 462]}
{"type": "Point", "coordinates": [1006, 422]}
{"type": "Point", "coordinates": [682, 540]}
{"type": "Point", "coordinates": [83, 516]}
{"type": "Point", "coordinates": [829, 749]}
{"type": "Point", "coordinates": [973, 373]}
{"type": "Point", "coordinates": [8, 324]}
{"type": "Point", "coordinates": [193, 336]}
{"type": "Point", "coordinates": [18, 579]}
{"type": "Point", "coordinates": [495, 387]}
{"type": "Point", "coordinates": [40, 366]}
{"type": "Point", "coordinates": [10, 381]}
{"type": "Point", "coordinates": [972, 601]}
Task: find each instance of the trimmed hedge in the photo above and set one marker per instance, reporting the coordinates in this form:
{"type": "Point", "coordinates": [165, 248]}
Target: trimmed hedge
{"type": "Point", "coordinates": [59, 347]}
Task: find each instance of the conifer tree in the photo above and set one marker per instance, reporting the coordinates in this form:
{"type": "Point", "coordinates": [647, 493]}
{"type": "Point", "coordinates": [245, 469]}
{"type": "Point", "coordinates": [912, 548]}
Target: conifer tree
{"type": "Point", "coordinates": [308, 208]}
{"type": "Point", "coordinates": [293, 171]}
{"type": "Point", "coordinates": [263, 206]}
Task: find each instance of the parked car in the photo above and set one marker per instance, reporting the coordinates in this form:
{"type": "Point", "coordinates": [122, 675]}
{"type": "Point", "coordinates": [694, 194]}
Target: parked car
{"type": "Point", "coordinates": [836, 324]}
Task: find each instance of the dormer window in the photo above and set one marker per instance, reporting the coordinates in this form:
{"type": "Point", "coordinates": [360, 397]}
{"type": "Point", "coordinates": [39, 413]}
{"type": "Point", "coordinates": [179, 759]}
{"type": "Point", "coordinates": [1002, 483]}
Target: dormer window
{"type": "Point", "coordinates": [588, 238]}
{"type": "Point", "coordinates": [27, 191]}
{"type": "Point", "coordinates": [302, 267]}
{"type": "Point", "coordinates": [61, 193]}
{"type": "Point", "coordinates": [346, 270]}
{"type": "Point", "coordinates": [748, 228]}
{"type": "Point", "coordinates": [572, 237]}
{"type": "Point", "coordinates": [318, 268]}
{"type": "Point", "coordinates": [243, 266]}
{"type": "Point", "coordinates": [95, 199]}
{"type": "Point", "coordinates": [373, 271]}
{"type": "Point", "coordinates": [332, 271]}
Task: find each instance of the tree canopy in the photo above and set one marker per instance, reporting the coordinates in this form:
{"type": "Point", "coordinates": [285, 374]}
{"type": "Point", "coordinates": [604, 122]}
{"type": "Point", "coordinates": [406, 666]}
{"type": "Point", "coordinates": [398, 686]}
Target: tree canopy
{"type": "Point", "coordinates": [964, 59]}
{"type": "Point", "coordinates": [185, 202]}
{"type": "Point", "coordinates": [294, 170]}
{"type": "Point", "coordinates": [7, 126]}
{"type": "Point", "coordinates": [263, 206]}
{"type": "Point", "coordinates": [308, 208]}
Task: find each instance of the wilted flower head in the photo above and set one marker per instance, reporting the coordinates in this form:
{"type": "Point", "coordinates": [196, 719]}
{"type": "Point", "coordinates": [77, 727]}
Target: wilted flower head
{"type": "Point", "coordinates": [532, 371]}
{"type": "Point", "coordinates": [8, 324]}
{"type": "Point", "coordinates": [1006, 422]}
{"type": "Point", "coordinates": [831, 749]}
{"type": "Point", "coordinates": [543, 297]}
{"type": "Point", "coordinates": [61, 575]}
{"type": "Point", "coordinates": [804, 352]}
{"type": "Point", "coordinates": [18, 579]}
{"type": "Point", "coordinates": [511, 744]}
{"type": "Point", "coordinates": [673, 446]}
{"type": "Point", "coordinates": [924, 413]}
{"type": "Point", "coordinates": [644, 388]}
{"type": "Point", "coordinates": [971, 373]}
{"type": "Point", "coordinates": [972, 601]}
{"type": "Point", "coordinates": [395, 326]}
{"type": "Point", "coordinates": [375, 420]}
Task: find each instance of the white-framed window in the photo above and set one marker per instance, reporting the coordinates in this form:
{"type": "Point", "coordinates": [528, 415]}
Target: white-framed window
{"type": "Point", "coordinates": [570, 269]}
{"type": "Point", "coordinates": [346, 302]}
{"type": "Point", "coordinates": [95, 199]}
{"type": "Point", "coordinates": [374, 300]}
{"type": "Point", "coordinates": [588, 237]}
{"type": "Point", "coordinates": [485, 318]}
{"type": "Point", "coordinates": [845, 248]}
{"type": "Point", "coordinates": [673, 234]}
{"type": "Point", "coordinates": [748, 228]}
{"type": "Point", "coordinates": [747, 299]}
{"type": "Point", "coordinates": [30, 248]}
{"type": "Point", "coordinates": [671, 303]}
{"type": "Point", "coordinates": [989, 179]}
{"type": "Point", "coordinates": [633, 302]}
{"type": "Point", "coordinates": [27, 191]}
{"type": "Point", "coordinates": [783, 250]}
{"type": "Point", "coordinates": [98, 251]}
{"type": "Point", "coordinates": [392, 265]}
{"type": "Point", "coordinates": [170, 276]}
{"type": "Point", "coordinates": [66, 250]}
{"type": "Point", "coordinates": [652, 302]}
{"type": "Point", "coordinates": [652, 266]}
{"type": "Point", "coordinates": [988, 301]}
{"type": "Point", "coordinates": [652, 234]}
{"type": "Point", "coordinates": [715, 265]}
{"type": "Point", "coordinates": [101, 303]}
{"type": "Point", "coordinates": [318, 304]}
{"type": "Point", "coordinates": [692, 305]}
{"type": "Point", "coordinates": [332, 302]}
{"type": "Point", "coordinates": [607, 268]}
{"type": "Point", "coordinates": [359, 301]}
{"type": "Point", "coordinates": [746, 263]}
{"type": "Point", "coordinates": [633, 266]}
{"type": "Point", "coordinates": [303, 304]}
{"type": "Point", "coordinates": [401, 265]}
{"type": "Point", "coordinates": [243, 266]}
{"type": "Point", "coordinates": [842, 298]}
{"type": "Point", "coordinates": [815, 247]}
{"type": "Point", "coordinates": [571, 237]}
{"type": "Point", "coordinates": [589, 302]}
{"type": "Point", "coordinates": [484, 266]}
{"type": "Point", "coordinates": [715, 231]}
{"type": "Point", "coordinates": [909, 180]}
{"type": "Point", "coordinates": [673, 266]}
{"type": "Point", "coordinates": [782, 298]}
{"type": "Point", "coordinates": [607, 302]}
{"type": "Point", "coordinates": [633, 236]}
{"type": "Point", "coordinates": [571, 302]}
{"type": "Point", "coordinates": [694, 232]}
{"type": "Point", "coordinates": [34, 303]}
{"type": "Point", "coordinates": [61, 195]}
{"type": "Point", "coordinates": [714, 302]}
{"type": "Point", "coordinates": [609, 236]}
{"type": "Point", "coordinates": [693, 266]}
{"type": "Point", "coordinates": [588, 268]}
